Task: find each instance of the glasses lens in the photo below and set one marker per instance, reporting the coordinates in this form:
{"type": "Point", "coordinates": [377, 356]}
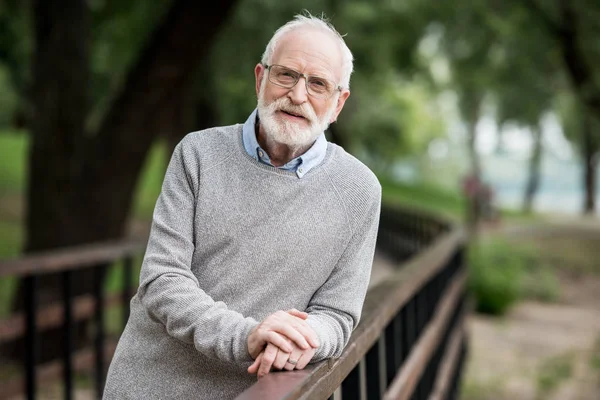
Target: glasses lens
{"type": "Point", "coordinates": [320, 87]}
{"type": "Point", "coordinates": [283, 76]}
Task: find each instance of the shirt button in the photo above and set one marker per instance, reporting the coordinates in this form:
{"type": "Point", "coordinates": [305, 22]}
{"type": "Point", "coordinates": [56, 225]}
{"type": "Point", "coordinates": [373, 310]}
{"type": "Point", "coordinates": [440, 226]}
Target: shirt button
{"type": "Point", "coordinates": [261, 154]}
{"type": "Point", "coordinates": [300, 170]}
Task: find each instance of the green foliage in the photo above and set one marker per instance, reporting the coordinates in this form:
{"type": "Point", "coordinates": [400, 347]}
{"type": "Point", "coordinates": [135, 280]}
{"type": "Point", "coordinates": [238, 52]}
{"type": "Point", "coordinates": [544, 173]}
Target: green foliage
{"type": "Point", "coordinates": [8, 98]}
{"type": "Point", "coordinates": [497, 269]}
{"type": "Point", "coordinates": [150, 181]}
{"type": "Point", "coordinates": [13, 154]}
{"type": "Point", "coordinates": [553, 372]}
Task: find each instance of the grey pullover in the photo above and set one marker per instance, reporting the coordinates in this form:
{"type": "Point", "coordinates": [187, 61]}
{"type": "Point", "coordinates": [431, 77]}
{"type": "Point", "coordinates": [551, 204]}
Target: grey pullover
{"type": "Point", "coordinates": [232, 241]}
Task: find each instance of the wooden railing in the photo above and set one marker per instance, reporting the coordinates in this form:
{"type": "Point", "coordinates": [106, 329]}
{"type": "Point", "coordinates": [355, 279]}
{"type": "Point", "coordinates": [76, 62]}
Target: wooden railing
{"type": "Point", "coordinates": [410, 342]}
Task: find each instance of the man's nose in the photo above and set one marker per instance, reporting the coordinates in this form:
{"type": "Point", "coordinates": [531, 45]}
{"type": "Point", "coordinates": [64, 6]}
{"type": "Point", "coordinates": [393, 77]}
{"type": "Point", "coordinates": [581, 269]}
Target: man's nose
{"type": "Point", "coordinates": [298, 94]}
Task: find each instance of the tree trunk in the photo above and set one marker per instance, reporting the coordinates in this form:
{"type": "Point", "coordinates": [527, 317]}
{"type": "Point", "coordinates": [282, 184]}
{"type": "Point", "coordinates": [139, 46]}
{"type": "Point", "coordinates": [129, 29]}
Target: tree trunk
{"type": "Point", "coordinates": [590, 158]}
{"type": "Point", "coordinates": [533, 181]}
{"type": "Point", "coordinates": [81, 184]}
{"type": "Point", "coordinates": [579, 67]}
{"type": "Point", "coordinates": [196, 111]}
{"type": "Point", "coordinates": [336, 137]}
{"type": "Point", "coordinates": [103, 171]}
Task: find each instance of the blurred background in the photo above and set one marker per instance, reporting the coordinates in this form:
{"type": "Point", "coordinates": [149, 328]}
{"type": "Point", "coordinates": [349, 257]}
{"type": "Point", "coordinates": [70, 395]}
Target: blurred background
{"type": "Point", "coordinates": [487, 112]}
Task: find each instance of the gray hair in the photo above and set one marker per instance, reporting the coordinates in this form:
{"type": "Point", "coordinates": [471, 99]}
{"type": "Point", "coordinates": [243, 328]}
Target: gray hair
{"type": "Point", "coordinates": [309, 21]}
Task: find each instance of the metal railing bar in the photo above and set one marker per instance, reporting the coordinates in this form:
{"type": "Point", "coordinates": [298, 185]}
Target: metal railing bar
{"type": "Point", "coordinates": [67, 328]}
{"type": "Point", "coordinates": [351, 386]}
{"type": "Point", "coordinates": [127, 288]}
{"type": "Point", "coordinates": [99, 337]}
{"type": "Point", "coordinates": [31, 344]}
{"type": "Point", "coordinates": [449, 363]}
{"type": "Point", "coordinates": [405, 382]}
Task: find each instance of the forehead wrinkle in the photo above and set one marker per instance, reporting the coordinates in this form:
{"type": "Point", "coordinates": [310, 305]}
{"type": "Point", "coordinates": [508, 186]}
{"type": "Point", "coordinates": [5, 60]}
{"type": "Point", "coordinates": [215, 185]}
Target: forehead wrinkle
{"type": "Point", "coordinates": [312, 55]}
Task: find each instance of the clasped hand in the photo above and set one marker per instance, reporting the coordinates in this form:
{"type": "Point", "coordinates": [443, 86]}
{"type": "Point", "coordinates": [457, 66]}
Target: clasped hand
{"type": "Point", "coordinates": [283, 340]}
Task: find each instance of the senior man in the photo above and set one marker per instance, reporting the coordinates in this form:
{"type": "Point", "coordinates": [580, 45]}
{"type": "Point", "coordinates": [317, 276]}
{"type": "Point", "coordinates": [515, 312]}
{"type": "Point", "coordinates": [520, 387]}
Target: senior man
{"type": "Point", "coordinates": [262, 239]}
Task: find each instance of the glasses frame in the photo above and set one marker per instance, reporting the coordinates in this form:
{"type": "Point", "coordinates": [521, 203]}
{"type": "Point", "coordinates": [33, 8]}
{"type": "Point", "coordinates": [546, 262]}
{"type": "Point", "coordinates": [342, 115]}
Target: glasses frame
{"type": "Point", "coordinates": [338, 88]}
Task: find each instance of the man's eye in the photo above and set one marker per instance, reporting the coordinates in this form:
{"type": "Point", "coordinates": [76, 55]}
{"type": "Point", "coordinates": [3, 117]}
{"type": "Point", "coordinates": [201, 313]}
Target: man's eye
{"type": "Point", "coordinates": [320, 85]}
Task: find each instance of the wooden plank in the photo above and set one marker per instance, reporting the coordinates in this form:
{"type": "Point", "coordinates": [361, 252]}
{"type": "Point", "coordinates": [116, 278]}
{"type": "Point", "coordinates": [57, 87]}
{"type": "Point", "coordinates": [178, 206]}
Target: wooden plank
{"type": "Point", "coordinates": [404, 384]}
{"type": "Point", "coordinates": [71, 258]}
{"type": "Point", "coordinates": [52, 316]}
{"type": "Point", "coordinates": [83, 361]}
{"type": "Point", "coordinates": [381, 305]}
{"type": "Point", "coordinates": [449, 363]}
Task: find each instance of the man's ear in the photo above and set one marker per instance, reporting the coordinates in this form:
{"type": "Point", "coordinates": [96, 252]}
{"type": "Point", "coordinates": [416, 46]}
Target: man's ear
{"type": "Point", "coordinates": [340, 104]}
{"type": "Point", "coordinates": [259, 74]}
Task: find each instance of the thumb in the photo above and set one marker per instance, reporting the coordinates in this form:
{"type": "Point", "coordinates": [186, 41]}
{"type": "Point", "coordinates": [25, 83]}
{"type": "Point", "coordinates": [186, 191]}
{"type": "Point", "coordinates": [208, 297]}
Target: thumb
{"type": "Point", "coordinates": [253, 369]}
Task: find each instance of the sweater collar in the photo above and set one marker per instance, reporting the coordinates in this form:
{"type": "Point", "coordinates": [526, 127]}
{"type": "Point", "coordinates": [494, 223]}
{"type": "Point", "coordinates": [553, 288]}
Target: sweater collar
{"type": "Point", "coordinates": [299, 165]}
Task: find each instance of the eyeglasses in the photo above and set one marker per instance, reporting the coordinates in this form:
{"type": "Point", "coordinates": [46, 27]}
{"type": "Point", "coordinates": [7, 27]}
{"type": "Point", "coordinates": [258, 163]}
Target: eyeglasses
{"type": "Point", "coordinates": [285, 77]}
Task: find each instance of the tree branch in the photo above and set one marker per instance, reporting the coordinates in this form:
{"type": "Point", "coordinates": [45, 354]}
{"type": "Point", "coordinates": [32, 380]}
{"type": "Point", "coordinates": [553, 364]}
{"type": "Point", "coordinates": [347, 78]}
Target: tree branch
{"type": "Point", "coordinates": [555, 27]}
{"type": "Point", "coordinates": [579, 71]}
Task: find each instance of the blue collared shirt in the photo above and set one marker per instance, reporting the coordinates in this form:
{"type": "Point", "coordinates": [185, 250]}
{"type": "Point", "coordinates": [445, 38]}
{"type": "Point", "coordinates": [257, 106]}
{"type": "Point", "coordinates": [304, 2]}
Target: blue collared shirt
{"type": "Point", "coordinates": [300, 165]}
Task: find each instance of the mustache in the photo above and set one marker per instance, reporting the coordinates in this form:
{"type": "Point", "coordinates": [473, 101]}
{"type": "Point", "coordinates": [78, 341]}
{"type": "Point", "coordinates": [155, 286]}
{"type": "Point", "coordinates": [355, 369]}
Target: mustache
{"type": "Point", "coordinates": [284, 104]}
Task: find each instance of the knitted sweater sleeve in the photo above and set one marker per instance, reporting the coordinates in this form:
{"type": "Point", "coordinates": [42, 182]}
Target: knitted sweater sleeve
{"type": "Point", "coordinates": [169, 291]}
{"type": "Point", "coordinates": [334, 310]}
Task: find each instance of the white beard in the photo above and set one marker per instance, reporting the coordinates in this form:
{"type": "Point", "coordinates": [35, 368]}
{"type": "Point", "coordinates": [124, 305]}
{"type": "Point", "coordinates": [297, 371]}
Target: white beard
{"type": "Point", "coordinates": [286, 132]}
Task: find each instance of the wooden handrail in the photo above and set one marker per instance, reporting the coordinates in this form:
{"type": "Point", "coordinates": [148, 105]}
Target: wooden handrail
{"type": "Point", "coordinates": [381, 304]}
{"type": "Point", "coordinates": [71, 258]}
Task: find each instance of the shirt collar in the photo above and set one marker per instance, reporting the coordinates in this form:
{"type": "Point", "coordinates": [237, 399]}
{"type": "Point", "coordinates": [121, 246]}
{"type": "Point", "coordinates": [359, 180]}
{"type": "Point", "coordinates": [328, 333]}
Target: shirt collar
{"type": "Point", "coordinates": [299, 165]}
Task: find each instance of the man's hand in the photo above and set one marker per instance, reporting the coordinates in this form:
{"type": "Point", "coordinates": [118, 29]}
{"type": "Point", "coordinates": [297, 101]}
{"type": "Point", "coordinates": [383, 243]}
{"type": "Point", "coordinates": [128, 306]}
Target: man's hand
{"type": "Point", "coordinates": [275, 358]}
{"type": "Point", "coordinates": [282, 329]}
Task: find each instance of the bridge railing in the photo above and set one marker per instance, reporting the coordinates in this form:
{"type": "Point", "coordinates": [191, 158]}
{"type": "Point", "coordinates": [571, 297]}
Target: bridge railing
{"type": "Point", "coordinates": [409, 344]}
{"type": "Point", "coordinates": [37, 317]}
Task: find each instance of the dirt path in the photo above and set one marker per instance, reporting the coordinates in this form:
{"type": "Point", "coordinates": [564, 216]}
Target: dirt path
{"type": "Point", "coordinates": [540, 350]}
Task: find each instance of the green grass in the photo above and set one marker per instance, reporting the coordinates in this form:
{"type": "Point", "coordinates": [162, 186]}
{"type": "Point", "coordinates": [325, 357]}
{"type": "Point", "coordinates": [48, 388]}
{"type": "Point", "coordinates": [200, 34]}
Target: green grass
{"type": "Point", "coordinates": [595, 357]}
{"type": "Point", "coordinates": [423, 197]}
{"type": "Point", "coordinates": [553, 372]}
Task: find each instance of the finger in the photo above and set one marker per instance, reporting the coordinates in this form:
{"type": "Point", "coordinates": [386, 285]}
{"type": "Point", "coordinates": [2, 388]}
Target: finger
{"type": "Point", "coordinates": [253, 369]}
{"type": "Point", "coordinates": [294, 333]}
{"type": "Point", "coordinates": [267, 360]}
{"type": "Point", "coordinates": [305, 359]}
{"type": "Point", "coordinates": [293, 360]}
{"type": "Point", "coordinates": [310, 336]}
{"type": "Point", "coordinates": [296, 313]}
{"type": "Point", "coordinates": [303, 328]}
{"type": "Point", "coordinates": [281, 359]}
{"type": "Point", "coordinates": [279, 340]}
